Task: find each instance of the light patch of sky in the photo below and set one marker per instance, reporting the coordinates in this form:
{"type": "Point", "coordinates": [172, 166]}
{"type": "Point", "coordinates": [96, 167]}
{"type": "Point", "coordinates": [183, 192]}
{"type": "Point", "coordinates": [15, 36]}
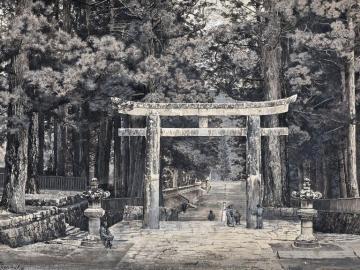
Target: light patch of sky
{"type": "Point", "coordinates": [214, 13]}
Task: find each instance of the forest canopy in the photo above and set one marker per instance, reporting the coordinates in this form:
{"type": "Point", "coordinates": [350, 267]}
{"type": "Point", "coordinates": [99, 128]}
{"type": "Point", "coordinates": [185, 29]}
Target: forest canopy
{"type": "Point", "coordinates": [62, 61]}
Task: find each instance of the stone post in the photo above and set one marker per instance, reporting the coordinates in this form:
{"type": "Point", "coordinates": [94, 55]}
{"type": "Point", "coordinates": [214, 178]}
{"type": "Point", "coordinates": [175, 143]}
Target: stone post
{"type": "Point", "coordinates": [253, 181]}
{"type": "Point", "coordinates": [151, 179]}
{"type": "Point", "coordinates": [223, 214]}
{"type": "Point", "coordinates": [306, 239]}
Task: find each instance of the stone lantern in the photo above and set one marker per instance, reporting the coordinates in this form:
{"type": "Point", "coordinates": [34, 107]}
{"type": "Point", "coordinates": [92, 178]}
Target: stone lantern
{"type": "Point", "coordinates": [306, 213]}
{"type": "Point", "coordinates": [94, 212]}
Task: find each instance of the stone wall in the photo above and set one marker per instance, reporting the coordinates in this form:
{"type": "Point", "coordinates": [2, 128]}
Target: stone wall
{"type": "Point", "coordinates": [336, 222]}
{"type": "Point", "coordinates": [72, 207]}
{"type": "Point", "coordinates": [338, 215]}
{"type": "Point", "coordinates": [74, 214]}
{"type": "Point", "coordinates": [31, 228]}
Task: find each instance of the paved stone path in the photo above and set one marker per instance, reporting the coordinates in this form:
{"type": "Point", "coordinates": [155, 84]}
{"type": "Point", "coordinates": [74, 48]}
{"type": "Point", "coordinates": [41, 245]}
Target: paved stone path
{"type": "Point", "coordinates": [203, 245]}
{"type": "Point", "coordinates": [192, 244]}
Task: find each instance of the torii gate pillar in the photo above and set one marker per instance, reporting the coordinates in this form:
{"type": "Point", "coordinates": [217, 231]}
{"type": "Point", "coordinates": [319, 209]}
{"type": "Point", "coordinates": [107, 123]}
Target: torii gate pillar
{"type": "Point", "coordinates": [152, 170]}
{"type": "Point", "coordinates": [253, 161]}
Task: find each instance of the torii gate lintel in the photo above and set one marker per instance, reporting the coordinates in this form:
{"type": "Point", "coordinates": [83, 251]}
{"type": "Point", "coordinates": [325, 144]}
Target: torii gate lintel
{"type": "Point", "coordinates": [153, 132]}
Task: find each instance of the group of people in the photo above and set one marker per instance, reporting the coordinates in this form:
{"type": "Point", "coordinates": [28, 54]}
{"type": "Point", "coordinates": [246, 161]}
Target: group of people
{"type": "Point", "coordinates": [233, 216]}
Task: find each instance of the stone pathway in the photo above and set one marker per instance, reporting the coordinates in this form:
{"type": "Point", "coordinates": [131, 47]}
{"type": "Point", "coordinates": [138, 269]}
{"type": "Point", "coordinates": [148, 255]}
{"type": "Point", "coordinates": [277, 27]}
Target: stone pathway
{"type": "Point", "coordinates": [192, 243]}
{"type": "Point", "coordinates": [203, 244]}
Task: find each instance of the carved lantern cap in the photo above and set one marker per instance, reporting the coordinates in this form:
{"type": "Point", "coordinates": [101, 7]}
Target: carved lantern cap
{"type": "Point", "coordinates": [95, 194]}
{"type": "Point", "coordinates": [306, 193]}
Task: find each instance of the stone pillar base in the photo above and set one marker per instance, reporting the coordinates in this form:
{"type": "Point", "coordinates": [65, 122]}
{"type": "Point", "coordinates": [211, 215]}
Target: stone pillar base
{"type": "Point", "coordinates": [306, 241]}
{"type": "Point", "coordinates": [306, 244]}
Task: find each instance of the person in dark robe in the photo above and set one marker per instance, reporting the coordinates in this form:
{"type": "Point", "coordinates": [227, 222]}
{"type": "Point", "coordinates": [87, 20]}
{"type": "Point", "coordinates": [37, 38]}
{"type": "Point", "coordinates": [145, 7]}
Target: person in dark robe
{"type": "Point", "coordinates": [184, 206]}
{"type": "Point", "coordinates": [237, 217]}
{"type": "Point", "coordinates": [105, 235]}
{"type": "Point", "coordinates": [211, 216]}
{"type": "Point", "coordinates": [230, 221]}
{"type": "Point", "coordinates": [259, 217]}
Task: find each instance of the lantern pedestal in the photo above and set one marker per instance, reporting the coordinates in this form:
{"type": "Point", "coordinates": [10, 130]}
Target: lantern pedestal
{"type": "Point", "coordinates": [94, 213]}
{"type": "Point", "coordinates": [306, 239]}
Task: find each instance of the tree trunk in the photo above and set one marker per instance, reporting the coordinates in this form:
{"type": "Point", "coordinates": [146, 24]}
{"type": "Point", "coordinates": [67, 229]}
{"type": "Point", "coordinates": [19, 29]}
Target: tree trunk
{"type": "Point", "coordinates": [125, 158]}
{"type": "Point", "coordinates": [67, 15]}
{"type": "Point", "coordinates": [41, 134]}
{"type": "Point", "coordinates": [60, 148]}
{"type": "Point", "coordinates": [136, 168]}
{"type": "Point", "coordinates": [17, 142]}
{"type": "Point", "coordinates": [80, 144]}
{"type": "Point", "coordinates": [87, 16]}
{"type": "Point", "coordinates": [76, 141]}
{"type": "Point", "coordinates": [33, 154]}
{"type": "Point", "coordinates": [93, 141]}
{"type": "Point", "coordinates": [103, 149]}
{"type": "Point", "coordinates": [325, 185]}
{"type": "Point", "coordinates": [55, 146]}
{"type": "Point", "coordinates": [119, 158]}
{"type": "Point", "coordinates": [271, 57]}
{"type": "Point", "coordinates": [318, 183]}
{"type": "Point", "coordinates": [332, 175]}
{"type": "Point", "coordinates": [342, 172]}
{"type": "Point", "coordinates": [351, 147]}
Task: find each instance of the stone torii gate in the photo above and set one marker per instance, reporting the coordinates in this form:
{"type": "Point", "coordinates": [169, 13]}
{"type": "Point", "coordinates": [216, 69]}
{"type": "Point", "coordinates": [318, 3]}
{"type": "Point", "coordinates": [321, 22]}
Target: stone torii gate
{"type": "Point", "coordinates": [153, 132]}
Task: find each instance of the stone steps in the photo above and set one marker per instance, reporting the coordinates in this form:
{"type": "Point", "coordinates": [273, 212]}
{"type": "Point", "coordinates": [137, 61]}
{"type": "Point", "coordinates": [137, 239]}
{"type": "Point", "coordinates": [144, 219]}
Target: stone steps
{"type": "Point", "coordinates": [234, 193]}
{"type": "Point", "coordinates": [73, 233]}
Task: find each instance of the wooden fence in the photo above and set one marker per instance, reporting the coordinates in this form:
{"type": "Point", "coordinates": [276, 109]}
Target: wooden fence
{"type": "Point", "coordinates": [57, 182]}
{"type": "Point", "coordinates": [344, 205]}
{"type": "Point", "coordinates": [62, 182]}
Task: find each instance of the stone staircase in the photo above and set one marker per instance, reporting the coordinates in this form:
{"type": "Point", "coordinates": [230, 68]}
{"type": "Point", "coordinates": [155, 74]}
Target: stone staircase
{"type": "Point", "coordinates": [74, 233]}
{"type": "Point", "coordinates": [221, 191]}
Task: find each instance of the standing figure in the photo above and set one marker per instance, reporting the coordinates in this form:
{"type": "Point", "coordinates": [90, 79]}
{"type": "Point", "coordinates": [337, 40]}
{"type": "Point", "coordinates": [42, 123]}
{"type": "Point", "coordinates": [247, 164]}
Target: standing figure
{"type": "Point", "coordinates": [259, 219]}
{"type": "Point", "coordinates": [105, 235]}
{"type": "Point", "coordinates": [230, 216]}
{"type": "Point", "coordinates": [184, 206]}
{"type": "Point", "coordinates": [237, 217]}
{"type": "Point", "coordinates": [211, 216]}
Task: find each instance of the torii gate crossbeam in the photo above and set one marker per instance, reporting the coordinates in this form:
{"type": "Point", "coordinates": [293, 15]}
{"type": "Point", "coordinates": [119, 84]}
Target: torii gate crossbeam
{"type": "Point", "coordinates": [153, 132]}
